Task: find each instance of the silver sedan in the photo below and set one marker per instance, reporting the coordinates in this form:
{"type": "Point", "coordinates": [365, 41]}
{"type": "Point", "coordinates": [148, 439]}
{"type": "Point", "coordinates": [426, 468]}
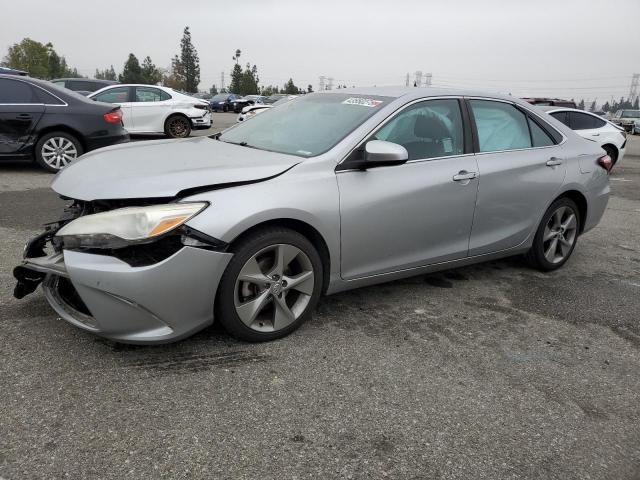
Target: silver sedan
{"type": "Point", "coordinates": [328, 192]}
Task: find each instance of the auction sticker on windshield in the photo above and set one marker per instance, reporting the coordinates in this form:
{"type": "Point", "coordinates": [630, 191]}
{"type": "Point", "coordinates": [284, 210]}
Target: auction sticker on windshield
{"type": "Point", "coordinates": [363, 102]}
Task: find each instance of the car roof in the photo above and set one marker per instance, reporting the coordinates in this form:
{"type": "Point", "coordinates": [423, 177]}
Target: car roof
{"type": "Point", "coordinates": [419, 92]}
{"type": "Point", "coordinates": [82, 79]}
{"type": "Point", "coordinates": [555, 108]}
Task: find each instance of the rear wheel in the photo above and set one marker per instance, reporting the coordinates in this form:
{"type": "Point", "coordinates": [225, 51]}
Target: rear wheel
{"type": "Point", "coordinates": [556, 236]}
{"type": "Point", "coordinates": [56, 150]}
{"type": "Point", "coordinates": [271, 285]}
{"type": "Point", "coordinates": [177, 126]}
{"type": "Point", "coordinates": [612, 152]}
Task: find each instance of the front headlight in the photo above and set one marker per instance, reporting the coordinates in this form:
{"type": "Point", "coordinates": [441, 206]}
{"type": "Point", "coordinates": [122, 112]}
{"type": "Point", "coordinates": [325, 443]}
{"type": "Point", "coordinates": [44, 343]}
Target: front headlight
{"type": "Point", "coordinates": [125, 226]}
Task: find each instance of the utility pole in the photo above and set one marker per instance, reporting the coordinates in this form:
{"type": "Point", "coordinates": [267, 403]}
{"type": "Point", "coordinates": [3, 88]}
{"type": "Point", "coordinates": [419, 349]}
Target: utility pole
{"type": "Point", "coordinates": [321, 85]}
{"type": "Point", "coordinates": [406, 82]}
{"type": "Point", "coordinates": [633, 91]}
{"type": "Point", "coordinates": [222, 80]}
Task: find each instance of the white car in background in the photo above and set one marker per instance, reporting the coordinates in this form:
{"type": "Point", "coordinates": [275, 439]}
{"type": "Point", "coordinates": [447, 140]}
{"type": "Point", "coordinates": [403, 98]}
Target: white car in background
{"type": "Point", "coordinates": [154, 109]}
{"type": "Point", "coordinates": [612, 138]}
{"type": "Point", "coordinates": [252, 110]}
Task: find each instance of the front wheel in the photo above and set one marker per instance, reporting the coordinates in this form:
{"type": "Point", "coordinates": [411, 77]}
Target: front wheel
{"type": "Point", "coordinates": [270, 286]}
{"type": "Point", "coordinates": [556, 236]}
{"type": "Point", "coordinates": [177, 126]}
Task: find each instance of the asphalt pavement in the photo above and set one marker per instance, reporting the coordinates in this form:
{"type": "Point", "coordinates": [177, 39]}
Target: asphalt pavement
{"type": "Point", "coordinates": [494, 371]}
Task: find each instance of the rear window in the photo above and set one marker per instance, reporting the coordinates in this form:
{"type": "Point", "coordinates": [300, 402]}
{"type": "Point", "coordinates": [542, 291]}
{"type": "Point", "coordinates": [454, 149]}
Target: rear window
{"type": "Point", "coordinates": [582, 121]}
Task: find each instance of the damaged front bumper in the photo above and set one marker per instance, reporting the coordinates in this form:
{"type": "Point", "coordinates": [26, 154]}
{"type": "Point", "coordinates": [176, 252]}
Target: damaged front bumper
{"type": "Point", "coordinates": [157, 303]}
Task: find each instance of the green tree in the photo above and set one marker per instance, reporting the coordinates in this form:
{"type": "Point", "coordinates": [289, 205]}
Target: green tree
{"type": "Point", "coordinates": [581, 104]}
{"type": "Point", "coordinates": [106, 74]}
{"type": "Point", "coordinates": [290, 88]}
{"type": "Point", "coordinates": [606, 107]}
{"type": "Point", "coordinates": [592, 108]}
{"type": "Point", "coordinates": [189, 62]}
{"type": "Point", "coordinates": [248, 81]}
{"type": "Point", "coordinates": [236, 79]}
{"type": "Point", "coordinates": [39, 60]}
{"type": "Point", "coordinates": [131, 72]}
{"type": "Point", "coordinates": [269, 90]}
{"type": "Point", "coordinates": [149, 72]}
{"type": "Point", "coordinates": [213, 90]}
{"type": "Point", "coordinates": [636, 104]}
{"type": "Point", "coordinates": [175, 78]}
{"type": "Point", "coordinates": [309, 89]}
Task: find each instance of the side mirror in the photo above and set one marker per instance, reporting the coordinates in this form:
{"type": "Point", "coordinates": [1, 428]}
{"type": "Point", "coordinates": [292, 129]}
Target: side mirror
{"type": "Point", "coordinates": [381, 153]}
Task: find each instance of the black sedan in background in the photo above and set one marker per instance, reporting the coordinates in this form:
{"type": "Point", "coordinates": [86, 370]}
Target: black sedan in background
{"type": "Point", "coordinates": [223, 102]}
{"type": "Point", "coordinates": [51, 124]}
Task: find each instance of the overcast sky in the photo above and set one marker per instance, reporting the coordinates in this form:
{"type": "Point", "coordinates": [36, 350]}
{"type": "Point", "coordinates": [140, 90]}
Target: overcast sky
{"type": "Point", "coordinates": [570, 48]}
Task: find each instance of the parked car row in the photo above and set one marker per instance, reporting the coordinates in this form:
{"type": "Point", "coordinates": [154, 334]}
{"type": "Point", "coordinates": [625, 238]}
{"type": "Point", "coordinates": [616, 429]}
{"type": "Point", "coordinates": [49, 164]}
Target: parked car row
{"type": "Point", "coordinates": [272, 101]}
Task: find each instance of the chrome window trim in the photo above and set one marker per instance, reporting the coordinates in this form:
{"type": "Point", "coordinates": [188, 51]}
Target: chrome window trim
{"type": "Point", "coordinates": [531, 112]}
{"type": "Point", "coordinates": [390, 117]}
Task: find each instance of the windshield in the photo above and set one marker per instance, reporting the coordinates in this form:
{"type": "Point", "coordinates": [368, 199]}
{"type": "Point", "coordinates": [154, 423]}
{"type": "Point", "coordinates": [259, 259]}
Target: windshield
{"type": "Point", "coordinates": [306, 126]}
{"type": "Point", "coordinates": [221, 96]}
{"type": "Point", "coordinates": [631, 113]}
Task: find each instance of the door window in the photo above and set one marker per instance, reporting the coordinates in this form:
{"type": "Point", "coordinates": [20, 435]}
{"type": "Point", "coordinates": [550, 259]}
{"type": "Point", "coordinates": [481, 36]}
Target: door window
{"type": "Point", "coordinates": [539, 137]}
{"type": "Point", "coordinates": [114, 95]}
{"type": "Point", "coordinates": [148, 94]}
{"type": "Point", "coordinates": [561, 117]}
{"type": "Point", "coordinates": [582, 121]}
{"type": "Point", "coordinates": [501, 126]}
{"type": "Point", "coordinates": [13, 91]}
{"type": "Point", "coordinates": [428, 129]}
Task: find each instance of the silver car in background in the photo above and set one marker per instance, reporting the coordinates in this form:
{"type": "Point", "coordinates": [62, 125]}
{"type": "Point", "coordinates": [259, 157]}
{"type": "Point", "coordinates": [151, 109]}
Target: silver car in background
{"type": "Point", "coordinates": [328, 192]}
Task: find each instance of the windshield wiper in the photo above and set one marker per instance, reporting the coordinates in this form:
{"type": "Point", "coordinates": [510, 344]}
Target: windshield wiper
{"type": "Point", "coordinates": [242, 144]}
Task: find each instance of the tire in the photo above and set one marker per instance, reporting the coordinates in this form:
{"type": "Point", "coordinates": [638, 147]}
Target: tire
{"type": "Point", "coordinates": [545, 255]}
{"type": "Point", "coordinates": [56, 150]}
{"type": "Point", "coordinates": [177, 126]}
{"type": "Point", "coordinates": [612, 152]}
{"type": "Point", "coordinates": [266, 304]}
{"type": "Point", "coordinates": [225, 109]}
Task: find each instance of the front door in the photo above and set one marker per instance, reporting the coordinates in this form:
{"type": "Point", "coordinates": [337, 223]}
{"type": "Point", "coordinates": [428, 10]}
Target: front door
{"type": "Point", "coordinates": [148, 109]}
{"type": "Point", "coordinates": [406, 216]}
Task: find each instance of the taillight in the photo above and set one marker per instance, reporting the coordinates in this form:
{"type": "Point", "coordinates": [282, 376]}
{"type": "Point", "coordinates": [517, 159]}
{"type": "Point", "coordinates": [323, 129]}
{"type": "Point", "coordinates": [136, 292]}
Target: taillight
{"type": "Point", "coordinates": [113, 117]}
{"type": "Point", "coordinates": [605, 162]}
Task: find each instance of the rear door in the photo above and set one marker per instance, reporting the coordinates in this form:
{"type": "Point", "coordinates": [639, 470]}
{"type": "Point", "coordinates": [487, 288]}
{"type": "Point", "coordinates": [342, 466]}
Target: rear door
{"type": "Point", "coordinates": [20, 112]}
{"type": "Point", "coordinates": [120, 96]}
{"type": "Point", "coordinates": [149, 108]}
{"type": "Point", "coordinates": [521, 170]}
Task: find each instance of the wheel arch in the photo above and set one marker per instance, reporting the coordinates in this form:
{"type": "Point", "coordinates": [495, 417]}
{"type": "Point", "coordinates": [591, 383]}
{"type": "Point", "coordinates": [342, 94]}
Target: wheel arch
{"type": "Point", "coordinates": [580, 200]}
{"type": "Point", "coordinates": [303, 228]}
{"type": "Point", "coordinates": [61, 128]}
{"type": "Point", "coordinates": [614, 148]}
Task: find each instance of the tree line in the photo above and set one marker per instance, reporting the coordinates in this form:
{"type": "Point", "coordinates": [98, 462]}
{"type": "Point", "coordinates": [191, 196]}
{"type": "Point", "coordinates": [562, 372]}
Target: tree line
{"type": "Point", "coordinates": [42, 61]}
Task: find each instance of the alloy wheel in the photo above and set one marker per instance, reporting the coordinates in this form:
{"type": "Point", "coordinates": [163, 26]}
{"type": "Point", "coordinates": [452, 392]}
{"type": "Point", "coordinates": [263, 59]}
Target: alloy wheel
{"type": "Point", "coordinates": [274, 288]}
{"type": "Point", "coordinates": [58, 152]}
{"type": "Point", "coordinates": [560, 234]}
{"type": "Point", "coordinates": [178, 127]}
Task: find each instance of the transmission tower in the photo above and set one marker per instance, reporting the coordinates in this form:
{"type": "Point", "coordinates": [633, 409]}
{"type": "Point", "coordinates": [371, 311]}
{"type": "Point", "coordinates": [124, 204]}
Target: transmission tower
{"type": "Point", "coordinates": [633, 91]}
{"type": "Point", "coordinates": [221, 81]}
{"type": "Point", "coordinates": [418, 81]}
{"type": "Point", "coordinates": [427, 80]}
{"type": "Point", "coordinates": [329, 83]}
{"type": "Point", "coordinates": [321, 86]}
{"type": "Point", "coordinates": [406, 82]}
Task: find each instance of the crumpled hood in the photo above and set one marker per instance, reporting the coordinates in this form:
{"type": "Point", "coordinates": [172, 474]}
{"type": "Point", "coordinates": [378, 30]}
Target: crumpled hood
{"type": "Point", "coordinates": [163, 168]}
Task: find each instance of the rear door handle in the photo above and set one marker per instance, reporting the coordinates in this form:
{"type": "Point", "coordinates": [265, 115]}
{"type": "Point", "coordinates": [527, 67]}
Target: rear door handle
{"type": "Point", "coordinates": [595, 134]}
{"type": "Point", "coordinates": [464, 175]}
{"type": "Point", "coordinates": [553, 161]}
{"type": "Point", "coordinates": [24, 116]}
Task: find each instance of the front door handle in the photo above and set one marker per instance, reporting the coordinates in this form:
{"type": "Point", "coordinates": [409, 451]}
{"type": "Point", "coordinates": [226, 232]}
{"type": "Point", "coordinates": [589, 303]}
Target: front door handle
{"type": "Point", "coordinates": [554, 161]}
{"type": "Point", "coordinates": [464, 175]}
{"type": "Point", "coordinates": [595, 134]}
{"type": "Point", "coordinates": [24, 116]}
